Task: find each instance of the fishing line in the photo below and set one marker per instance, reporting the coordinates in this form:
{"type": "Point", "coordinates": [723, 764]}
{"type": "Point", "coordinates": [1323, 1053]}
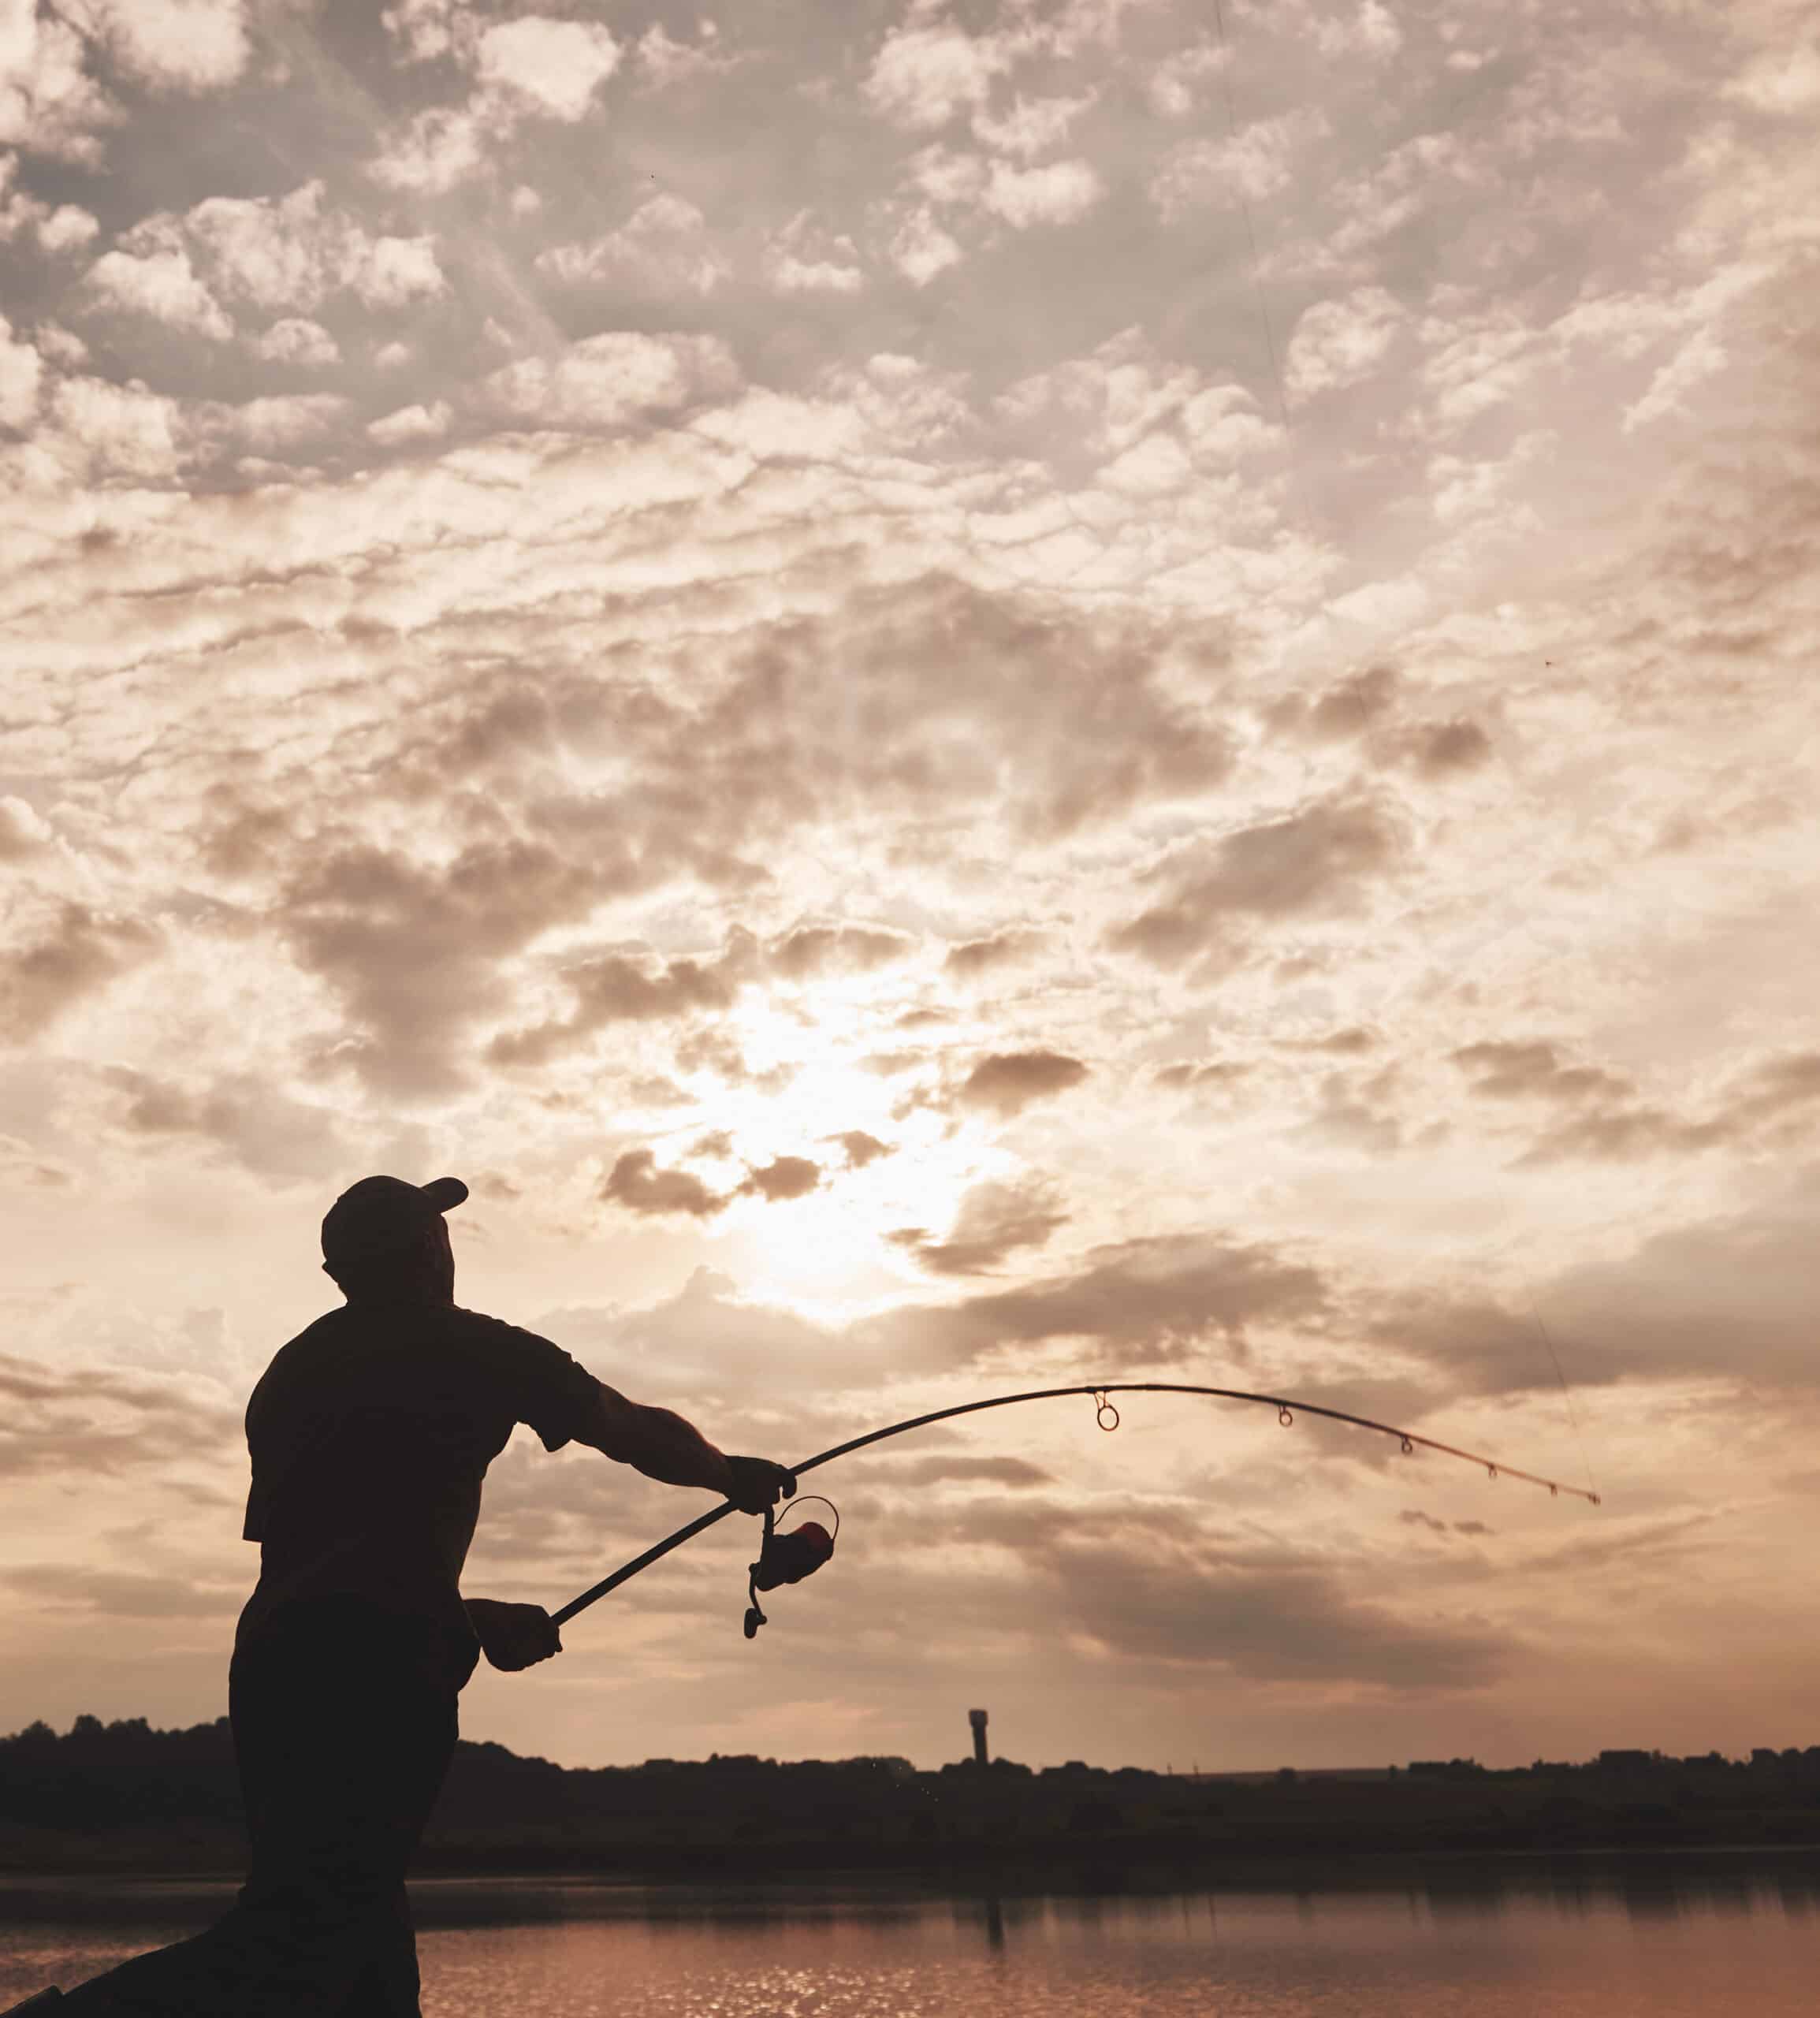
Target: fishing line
{"type": "Point", "coordinates": [1566, 1394]}
{"type": "Point", "coordinates": [1098, 1392]}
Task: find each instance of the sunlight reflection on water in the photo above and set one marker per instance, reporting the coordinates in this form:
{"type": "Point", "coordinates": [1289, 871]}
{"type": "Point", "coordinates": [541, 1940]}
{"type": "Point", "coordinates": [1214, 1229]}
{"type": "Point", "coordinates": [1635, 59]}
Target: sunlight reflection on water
{"type": "Point", "coordinates": [1670, 1938]}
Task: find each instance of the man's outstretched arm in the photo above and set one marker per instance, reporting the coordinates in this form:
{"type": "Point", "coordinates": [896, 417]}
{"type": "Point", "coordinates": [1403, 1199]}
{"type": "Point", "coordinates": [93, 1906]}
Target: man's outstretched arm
{"type": "Point", "coordinates": [664, 1446]}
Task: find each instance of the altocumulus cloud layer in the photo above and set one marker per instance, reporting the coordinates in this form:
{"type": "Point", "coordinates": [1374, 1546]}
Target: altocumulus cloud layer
{"type": "Point", "coordinates": [767, 636]}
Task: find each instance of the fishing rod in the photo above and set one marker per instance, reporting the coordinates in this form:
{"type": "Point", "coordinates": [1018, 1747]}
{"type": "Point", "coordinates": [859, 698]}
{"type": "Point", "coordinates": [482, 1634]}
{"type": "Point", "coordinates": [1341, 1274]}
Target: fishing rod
{"type": "Point", "coordinates": [815, 1553]}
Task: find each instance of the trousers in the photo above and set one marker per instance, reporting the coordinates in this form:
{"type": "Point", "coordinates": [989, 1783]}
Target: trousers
{"type": "Point", "coordinates": [344, 1723]}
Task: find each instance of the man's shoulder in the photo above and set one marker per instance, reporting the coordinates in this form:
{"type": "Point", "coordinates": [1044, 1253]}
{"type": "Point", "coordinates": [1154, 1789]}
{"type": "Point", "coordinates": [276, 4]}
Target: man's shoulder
{"type": "Point", "coordinates": [486, 1330]}
{"type": "Point", "coordinates": [315, 1336]}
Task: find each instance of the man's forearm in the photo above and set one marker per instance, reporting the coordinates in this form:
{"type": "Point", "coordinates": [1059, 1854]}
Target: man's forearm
{"type": "Point", "coordinates": [659, 1443]}
{"type": "Point", "coordinates": [675, 1452]}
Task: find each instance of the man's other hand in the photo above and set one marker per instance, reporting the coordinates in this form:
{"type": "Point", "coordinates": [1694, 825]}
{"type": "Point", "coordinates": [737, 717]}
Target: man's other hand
{"type": "Point", "coordinates": [514, 1636]}
{"type": "Point", "coordinates": [756, 1484]}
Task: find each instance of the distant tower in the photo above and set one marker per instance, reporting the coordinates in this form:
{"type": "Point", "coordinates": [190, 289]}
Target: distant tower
{"type": "Point", "coordinates": [977, 1719]}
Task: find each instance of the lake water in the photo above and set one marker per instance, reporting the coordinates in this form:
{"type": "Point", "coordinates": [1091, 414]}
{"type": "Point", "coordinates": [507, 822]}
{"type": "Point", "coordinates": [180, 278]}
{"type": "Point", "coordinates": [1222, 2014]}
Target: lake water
{"type": "Point", "coordinates": [1701, 1936]}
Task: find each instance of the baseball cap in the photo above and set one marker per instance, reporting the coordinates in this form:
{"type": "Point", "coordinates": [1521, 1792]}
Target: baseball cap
{"type": "Point", "coordinates": [380, 1215]}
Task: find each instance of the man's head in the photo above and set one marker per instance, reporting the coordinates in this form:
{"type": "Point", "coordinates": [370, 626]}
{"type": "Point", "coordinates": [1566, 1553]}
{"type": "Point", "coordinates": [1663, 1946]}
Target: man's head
{"type": "Point", "coordinates": [383, 1238]}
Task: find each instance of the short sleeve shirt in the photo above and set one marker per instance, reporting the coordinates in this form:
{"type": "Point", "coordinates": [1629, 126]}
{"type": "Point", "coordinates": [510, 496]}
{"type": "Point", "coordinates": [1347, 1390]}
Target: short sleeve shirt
{"type": "Point", "coordinates": [370, 1434]}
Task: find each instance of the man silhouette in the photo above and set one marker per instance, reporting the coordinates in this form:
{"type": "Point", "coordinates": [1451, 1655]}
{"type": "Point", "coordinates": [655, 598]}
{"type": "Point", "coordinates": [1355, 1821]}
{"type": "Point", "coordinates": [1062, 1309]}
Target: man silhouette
{"type": "Point", "coordinates": [369, 1434]}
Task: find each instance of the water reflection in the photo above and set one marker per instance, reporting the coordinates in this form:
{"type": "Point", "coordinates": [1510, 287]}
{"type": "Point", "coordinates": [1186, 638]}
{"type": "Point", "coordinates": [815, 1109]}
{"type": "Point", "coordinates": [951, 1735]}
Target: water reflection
{"type": "Point", "coordinates": [1579, 1937]}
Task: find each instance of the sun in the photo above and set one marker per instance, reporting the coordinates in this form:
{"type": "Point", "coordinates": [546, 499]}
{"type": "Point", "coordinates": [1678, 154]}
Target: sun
{"type": "Point", "coordinates": [820, 1081]}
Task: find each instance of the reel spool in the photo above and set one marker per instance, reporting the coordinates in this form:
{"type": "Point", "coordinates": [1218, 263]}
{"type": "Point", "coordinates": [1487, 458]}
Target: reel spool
{"type": "Point", "coordinates": [786, 1555]}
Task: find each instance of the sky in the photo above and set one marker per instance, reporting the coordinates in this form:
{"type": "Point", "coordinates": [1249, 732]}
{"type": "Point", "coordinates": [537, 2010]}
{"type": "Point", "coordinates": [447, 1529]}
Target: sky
{"type": "Point", "coordinates": [961, 697]}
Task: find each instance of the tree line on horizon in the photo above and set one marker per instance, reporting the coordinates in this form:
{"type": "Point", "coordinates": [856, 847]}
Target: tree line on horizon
{"type": "Point", "coordinates": [124, 1795]}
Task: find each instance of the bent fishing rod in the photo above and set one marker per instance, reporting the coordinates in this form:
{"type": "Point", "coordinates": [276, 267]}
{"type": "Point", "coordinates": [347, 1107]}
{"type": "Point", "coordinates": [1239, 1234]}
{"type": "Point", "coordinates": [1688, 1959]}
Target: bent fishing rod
{"type": "Point", "coordinates": [816, 1546]}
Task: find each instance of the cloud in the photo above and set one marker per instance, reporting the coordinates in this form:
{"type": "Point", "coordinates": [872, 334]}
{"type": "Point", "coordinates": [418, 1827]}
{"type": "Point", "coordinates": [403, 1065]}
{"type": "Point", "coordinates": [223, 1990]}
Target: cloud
{"type": "Point", "coordinates": [1007, 1082]}
{"type": "Point", "coordinates": [1057, 193]}
{"type": "Point", "coordinates": [1623, 1135]}
{"type": "Point", "coordinates": [1532, 1068]}
{"type": "Point", "coordinates": [783, 1178]}
{"type": "Point", "coordinates": [1314, 862]}
{"type": "Point", "coordinates": [424, 29]}
{"type": "Point", "coordinates": [1443, 748]}
{"type": "Point", "coordinates": [712, 1051]}
{"type": "Point", "coordinates": [1170, 85]}
{"type": "Point", "coordinates": [920, 249]}
{"type": "Point", "coordinates": [811, 950]}
{"type": "Point", "coordinates": [972, 957]}
{"type": "Point", "coordinates": [121, 430]}
{"type": "Point", "coordinates": [1030, 126]}
{"type": "Point", "coordinates": [551, 67]}
{"type": "Point", "coordinates": [1352, 706]}
{"type": "Point", "coordinates": [1256, 163]}
{"type": "Point", "coordinates": [162, 285]}
{"type": "Point", "coordinates": [1348, 1114]}
{"type": "Point", "coordinates": [21, 377]}
{"type": "Point", "coordinates": [414, 952]}
{"type": "Point", "coordinates": [896, 699]}
{"type": "Point", "coordinates": [1133, 1581]}
{"type": "Point", "coordinates": [1339, 343]}
{"type": "Point", "coordinates": [1611, 1126]}
{"type": "Point", "coordinates": [993, 1222]}
{"type": "Point", "coordinates": [1293, 1624]}
{"type": "Point", "coordinates": [922, 76]}
{"type": "Point", "coordinates": [615, 988]}
{"type": "Point", "coordinates": [104, 1422]}
{"type": "Point", "coordinates": [1018, 1473]}
{"type": "Point", "coordinates": [394, 273]}
{"type": "Point", "coordinates": [259, 1127]}
{"type": "Point", "coordinates": [267, 255]}
{"type": "Point", "coordinates": [1154, 1300]}
{"type": "Point", "coordinates": [860, 1148]}
{"type": "Point", "coordinates": [1778, 1086]}
{"type": "Point", "coordinates": [709, 1342]}
{"type": "Point", "coordinates": [173, 45]}
{"type": "Point", "coordinates": [1667, 1309]}
{"type": "Point", "coordinates": [269, 426]}
{"type": "Point", "coordinates": [123, 1593]}
{"type": "Point", "coordinates": [535, 67]}
{"type": "Point", "coordinates": [295, 340]}
{"type": "Point", "coordinates": [803, 257]}
{"type": "Point", "coordinates": [272, 253]}
{"type": "Point", "coordinates": [440, 147]}
{"type": "Point", "coordinates": [412, 423]}
{"type": "Point", "coordinates": [55, 229]}
{"type": "Point", "coordinates": [22, 1166]}
{"type": "Point", "coordinates": [72, 957]}
{"type": "Point", "coordinates": [1085, 713]}
{"type": "Point", "coordinates": [24, 831]}
{"type": "Point", "coordinates": [1195, 1075]}
{"type": "Point", "coordinates": [49, 104]}
{"type": "Point", "coordinates": [1363, 709]}
{"type": "Point", "coordinates": [636, 1182]}
{"type": "Point", "coordinates": [663, 61]}
{"type": "Point", "coordinates": [1351, 1042]}
{"type": "Point", "coordinates": [664, 247]}
{"type": "Point", "coordinates": [1786, 82]}
{"type": "Point", "coordinates": [606, 381]}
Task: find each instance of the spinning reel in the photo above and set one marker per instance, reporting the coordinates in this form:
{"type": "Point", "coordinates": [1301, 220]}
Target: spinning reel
{"type": "Point", "coordinates": [786, 1555]}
